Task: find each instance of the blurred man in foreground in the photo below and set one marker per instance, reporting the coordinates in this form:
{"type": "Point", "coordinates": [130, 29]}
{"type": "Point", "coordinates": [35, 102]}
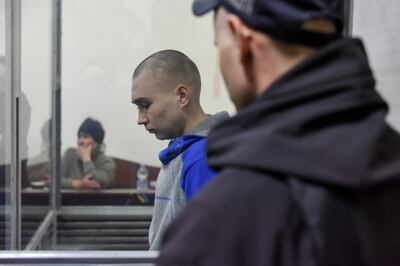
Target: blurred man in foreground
{"type": "Point", "coordinates": [308, 169]}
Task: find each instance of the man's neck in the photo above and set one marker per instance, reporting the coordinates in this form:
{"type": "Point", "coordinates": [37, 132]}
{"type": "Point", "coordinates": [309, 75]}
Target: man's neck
{"type": "Point", "coordinates": [194, 120]}
{"type": "Point", "coordinates": [274, 61]}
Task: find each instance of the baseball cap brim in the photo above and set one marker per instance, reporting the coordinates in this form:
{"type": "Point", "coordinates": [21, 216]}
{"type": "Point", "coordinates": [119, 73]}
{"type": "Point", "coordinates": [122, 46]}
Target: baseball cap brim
{"type": "Point", "coordinates": [200, 7]}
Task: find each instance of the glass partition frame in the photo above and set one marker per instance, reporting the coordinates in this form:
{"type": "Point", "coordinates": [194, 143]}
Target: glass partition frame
{"type": "Point", "coordinates": [13, 79]}
{"type": "Point", "coordinates": [13, 84]}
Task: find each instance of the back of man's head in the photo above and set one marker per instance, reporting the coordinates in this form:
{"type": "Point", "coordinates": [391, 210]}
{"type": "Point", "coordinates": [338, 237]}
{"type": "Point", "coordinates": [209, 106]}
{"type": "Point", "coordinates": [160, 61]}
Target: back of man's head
{"type": "Point", "coordinates": [306, 22]}
{"type": "Point", "coordinates": [173, 68]}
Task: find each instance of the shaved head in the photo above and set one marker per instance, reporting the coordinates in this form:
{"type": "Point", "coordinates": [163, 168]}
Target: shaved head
{"type": "Point", "coordinates": [173, 68]}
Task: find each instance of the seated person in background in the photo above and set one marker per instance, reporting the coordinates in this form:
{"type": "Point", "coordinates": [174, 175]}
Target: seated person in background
{"type": "Point", "coordinates": [87, 166]}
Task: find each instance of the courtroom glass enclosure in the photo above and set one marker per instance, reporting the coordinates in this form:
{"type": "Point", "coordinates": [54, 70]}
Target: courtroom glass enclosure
{"type": "Point", "coordinates": [64, 61]}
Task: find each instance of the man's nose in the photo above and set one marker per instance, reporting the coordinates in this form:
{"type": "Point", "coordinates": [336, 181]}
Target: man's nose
{"type": "Point", "coordinates": [142, 120]}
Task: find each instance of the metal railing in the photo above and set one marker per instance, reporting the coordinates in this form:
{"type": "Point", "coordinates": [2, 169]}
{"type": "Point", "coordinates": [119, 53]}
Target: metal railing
{"type": "Point", "coordinates": [44, 228]}
{"type": "Point", "coordinates": [78, 257]}
{"type": "Point", "coordinates": [90, 228]}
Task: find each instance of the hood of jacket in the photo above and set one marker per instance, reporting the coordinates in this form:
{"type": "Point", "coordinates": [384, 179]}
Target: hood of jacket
{"type": "Point", "coordinates": [323, 122]}
{"type": "Point", "coordinates": [178, 145]}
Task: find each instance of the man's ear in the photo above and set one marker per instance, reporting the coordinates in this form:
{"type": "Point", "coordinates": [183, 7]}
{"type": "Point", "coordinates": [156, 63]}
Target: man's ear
{"type": "Point", "coordinates": [183, 94]}
{"type": "Point", "coordinates": [242, 35]}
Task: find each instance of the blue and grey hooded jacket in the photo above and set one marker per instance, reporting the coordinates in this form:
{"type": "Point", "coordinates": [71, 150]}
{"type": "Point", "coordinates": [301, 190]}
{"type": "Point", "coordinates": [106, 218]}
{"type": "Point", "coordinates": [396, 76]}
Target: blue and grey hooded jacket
{"type": "Point", "coordinates": [183, 172]}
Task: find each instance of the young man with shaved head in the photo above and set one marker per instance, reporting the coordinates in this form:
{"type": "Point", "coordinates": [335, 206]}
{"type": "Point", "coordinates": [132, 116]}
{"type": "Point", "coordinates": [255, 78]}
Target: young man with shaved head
{"type": "Point", "coordinates": [308, 171]}
{"type": "Point", "coordinates": [166, 90]}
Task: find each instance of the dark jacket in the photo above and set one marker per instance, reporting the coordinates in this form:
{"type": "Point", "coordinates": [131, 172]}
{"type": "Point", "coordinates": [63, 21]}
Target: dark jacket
{"type": "Point", "coordinates": [308, 174]}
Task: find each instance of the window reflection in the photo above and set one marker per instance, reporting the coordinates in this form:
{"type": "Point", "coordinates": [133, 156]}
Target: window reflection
{"type": "Point", "coordinates": [3, 115]}
{"type": "Point", "coordinates": [35, 111]}
{"type": "Point", "coordinates": [101, 43]}
{"type": "Point", "coordinates": [39, 164]}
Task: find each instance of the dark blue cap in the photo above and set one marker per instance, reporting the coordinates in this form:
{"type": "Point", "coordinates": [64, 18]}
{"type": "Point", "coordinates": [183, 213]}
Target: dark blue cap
{"type": "Point", "coordinates": [93, 128]}
{"type": "Point", "coordinates": [282, 19]}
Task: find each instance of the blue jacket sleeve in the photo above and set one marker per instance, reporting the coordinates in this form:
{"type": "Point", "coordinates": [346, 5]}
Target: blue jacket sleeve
{"type": "Point", "coordinates": [195, 172]}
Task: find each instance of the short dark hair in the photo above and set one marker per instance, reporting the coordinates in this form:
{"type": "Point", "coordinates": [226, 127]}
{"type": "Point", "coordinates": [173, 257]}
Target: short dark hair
{"type": "Point", "coordinates": [172, 66]}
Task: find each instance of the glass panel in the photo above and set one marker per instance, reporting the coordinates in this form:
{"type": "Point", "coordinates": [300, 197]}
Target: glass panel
{"type": "Point", "coordinates": [35, 114]}
{"type": "Point", "coordinates": [370, 18]}
{"type": "Point", "coordinates": [4, 119]}
{"type": "Point", "coordinates": [103, 41]}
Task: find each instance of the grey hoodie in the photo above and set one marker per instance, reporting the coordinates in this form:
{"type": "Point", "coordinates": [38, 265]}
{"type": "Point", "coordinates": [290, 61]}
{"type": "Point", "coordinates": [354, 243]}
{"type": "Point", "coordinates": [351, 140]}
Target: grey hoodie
{"type": "Point", "coordinates": [182, 174]}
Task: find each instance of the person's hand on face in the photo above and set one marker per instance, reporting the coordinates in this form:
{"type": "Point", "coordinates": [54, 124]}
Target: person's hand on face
{"type": "Point", "coordinates": [86, 182]}
{"type": "Point", "coordinates": [85, 147]}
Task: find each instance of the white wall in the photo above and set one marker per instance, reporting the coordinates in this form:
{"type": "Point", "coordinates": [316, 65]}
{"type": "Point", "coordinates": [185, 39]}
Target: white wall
{"type": "Point", "coordinates": [377, 22]}
{"type": "Point", "coordinates": [2, 27]}
{"type": "Point", "coordinates": [102, 43]}
{"type": "Point", "coordinates": [35, 71]}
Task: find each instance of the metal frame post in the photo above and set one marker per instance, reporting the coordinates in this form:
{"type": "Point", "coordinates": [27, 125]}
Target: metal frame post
{"type": "Point", "coordinates": [348, 18]}
{"type": "Point", "coordinates": [56, 112]}
{"type": "Point", "coordinates": [13, 81]}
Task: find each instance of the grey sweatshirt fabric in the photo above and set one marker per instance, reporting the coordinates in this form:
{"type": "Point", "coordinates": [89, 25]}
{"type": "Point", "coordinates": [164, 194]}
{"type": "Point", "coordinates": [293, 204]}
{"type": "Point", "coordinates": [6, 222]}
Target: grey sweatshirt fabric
{"type": "Point", "coordinates": [101, 167]}
{"type": "Point", "coordinates": [169, 197]}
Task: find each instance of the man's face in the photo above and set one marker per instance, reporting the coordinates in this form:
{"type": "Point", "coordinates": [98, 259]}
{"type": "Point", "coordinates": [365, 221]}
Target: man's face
{"type": "Point", "coordinates": [158, 106]}
{"type": "Point", "coordinates": [233, 71]}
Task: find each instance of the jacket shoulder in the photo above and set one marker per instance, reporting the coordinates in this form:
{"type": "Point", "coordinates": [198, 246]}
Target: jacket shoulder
{"type": "Point", "coordinates": [240, 206]}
